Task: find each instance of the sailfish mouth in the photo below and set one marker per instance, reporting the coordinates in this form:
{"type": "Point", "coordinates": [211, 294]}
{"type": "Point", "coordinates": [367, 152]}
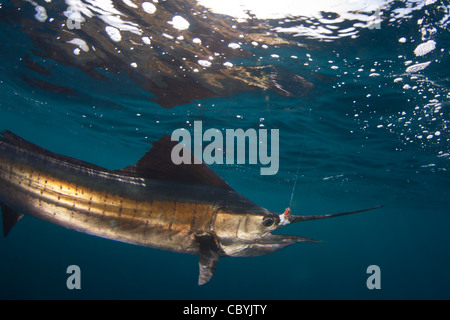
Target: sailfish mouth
{"type": "Point", "coordinates": [283, 240]}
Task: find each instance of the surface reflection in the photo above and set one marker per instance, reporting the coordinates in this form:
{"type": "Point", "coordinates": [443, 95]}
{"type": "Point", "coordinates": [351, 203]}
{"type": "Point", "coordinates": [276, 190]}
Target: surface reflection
{"type": "Point", "coordinates": [177, 50]}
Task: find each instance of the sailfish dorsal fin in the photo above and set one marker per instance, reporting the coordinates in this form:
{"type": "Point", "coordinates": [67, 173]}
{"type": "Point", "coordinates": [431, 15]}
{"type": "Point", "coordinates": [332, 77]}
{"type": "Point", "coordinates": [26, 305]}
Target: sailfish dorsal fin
{"type": "Point", "coordinates": [157, 164]}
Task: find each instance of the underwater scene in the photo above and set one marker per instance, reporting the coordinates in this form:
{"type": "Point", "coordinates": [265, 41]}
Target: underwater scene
{"type": "Point", "coordinates": [322, 107]}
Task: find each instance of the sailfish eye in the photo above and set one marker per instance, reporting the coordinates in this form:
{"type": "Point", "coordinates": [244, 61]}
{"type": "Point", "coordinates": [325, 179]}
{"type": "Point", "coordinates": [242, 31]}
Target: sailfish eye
{"type": "Point", "coordinates": [267, 222]}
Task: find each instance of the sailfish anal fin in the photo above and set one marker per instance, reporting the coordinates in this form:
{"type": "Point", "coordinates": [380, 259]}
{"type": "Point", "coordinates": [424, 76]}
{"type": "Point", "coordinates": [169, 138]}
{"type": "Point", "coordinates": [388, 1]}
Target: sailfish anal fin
{"type": "Point", "coordinates": [208, 257]}
{"type": "Point", "coordinates": [10, 218]}
{"type": "Point", "coordinates": [158, 164]}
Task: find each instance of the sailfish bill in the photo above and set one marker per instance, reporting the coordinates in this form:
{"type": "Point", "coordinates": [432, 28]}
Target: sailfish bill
{"type": "Point", "coordinates": [154, 203]}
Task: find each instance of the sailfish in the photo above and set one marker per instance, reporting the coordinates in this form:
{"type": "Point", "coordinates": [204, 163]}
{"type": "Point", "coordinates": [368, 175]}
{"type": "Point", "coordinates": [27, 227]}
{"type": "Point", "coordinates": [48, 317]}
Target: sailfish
{"type": "Point", "coordinates": [153, 203]}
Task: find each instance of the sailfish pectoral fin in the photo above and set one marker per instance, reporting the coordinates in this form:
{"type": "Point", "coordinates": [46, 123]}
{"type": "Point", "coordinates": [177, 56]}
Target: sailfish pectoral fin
{"type": "Point", "coordinates": [208, 257]}
{"type": "Point", "coordinates": [10, 218]}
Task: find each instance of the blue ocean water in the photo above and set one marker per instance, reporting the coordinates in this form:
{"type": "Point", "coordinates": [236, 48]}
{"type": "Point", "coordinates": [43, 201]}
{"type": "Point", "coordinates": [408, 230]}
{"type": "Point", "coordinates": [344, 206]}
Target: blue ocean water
{"type": "Point", "coordinates": [372, 130]}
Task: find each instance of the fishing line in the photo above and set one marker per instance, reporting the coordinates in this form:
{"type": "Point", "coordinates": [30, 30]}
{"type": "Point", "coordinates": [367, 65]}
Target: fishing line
{"type": "Point", "coordinates": [300, 157]}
